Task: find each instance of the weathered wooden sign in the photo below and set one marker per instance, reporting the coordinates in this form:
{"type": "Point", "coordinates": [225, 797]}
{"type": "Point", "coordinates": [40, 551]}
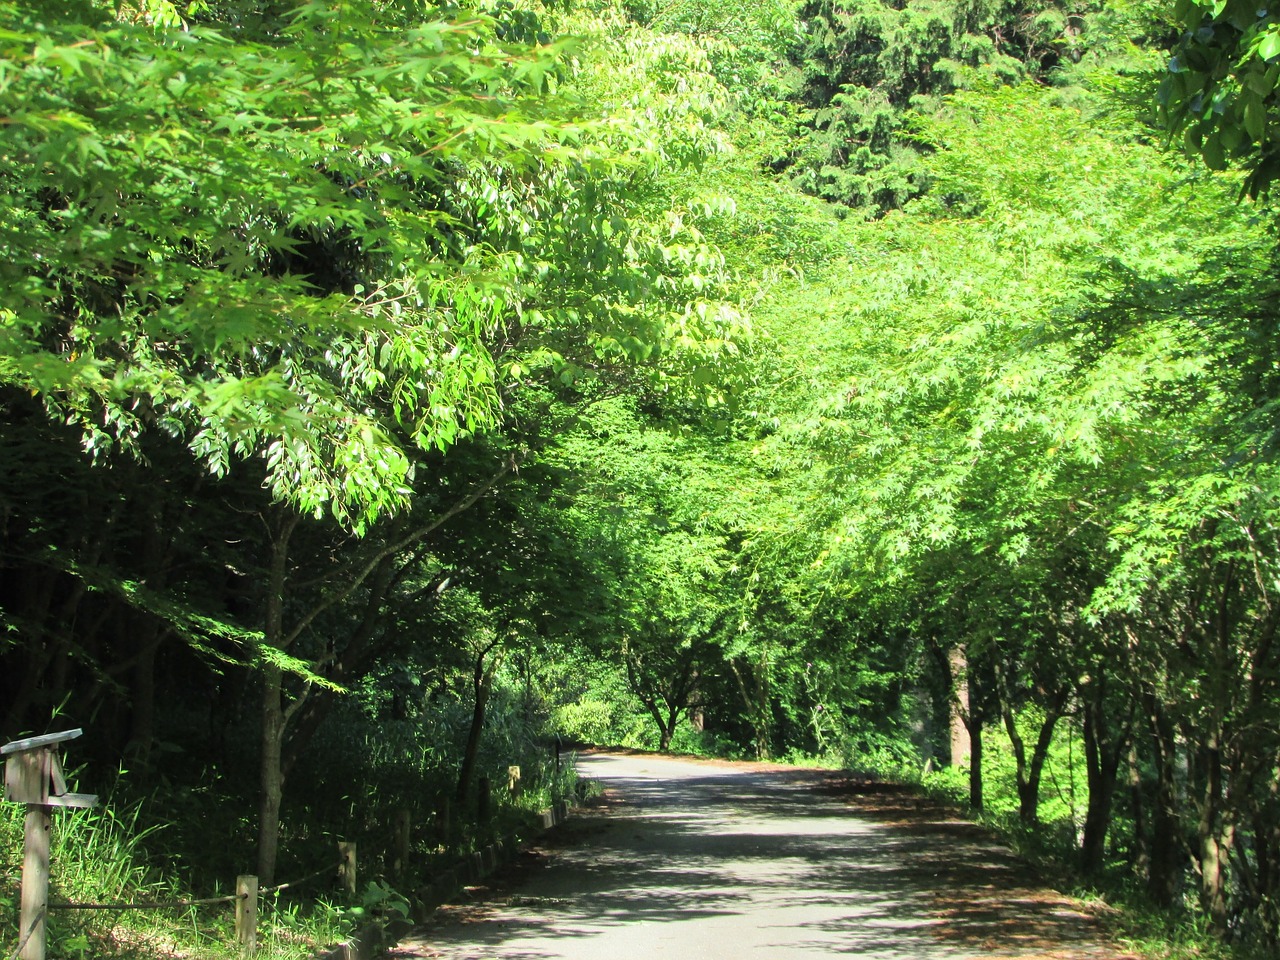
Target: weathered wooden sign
{"type": "Point", "coordinates": [33, 772]}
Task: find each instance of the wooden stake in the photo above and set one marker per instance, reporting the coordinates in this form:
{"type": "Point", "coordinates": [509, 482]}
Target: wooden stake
{"type": "Point", "coordinates": [400, 863]}
{"type": "Point", "coordinates": [443, 821]}
{"type": "Point", "coordinates": [35, 883]}
{"type": "Point", "coordinates": [247, 912]}
{"type": "Point", "coordinates": [33, 776]}
{"type": "Point", "coordinates": [347, 851]}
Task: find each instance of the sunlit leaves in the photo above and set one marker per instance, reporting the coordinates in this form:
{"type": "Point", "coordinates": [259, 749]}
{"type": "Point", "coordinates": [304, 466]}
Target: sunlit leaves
{"type": "Point", "coordinates": [1027, 349]}
{"type": "Point", "coordinates": [172, 194]}
{"type": "Point", "coordinates": [321, 244]}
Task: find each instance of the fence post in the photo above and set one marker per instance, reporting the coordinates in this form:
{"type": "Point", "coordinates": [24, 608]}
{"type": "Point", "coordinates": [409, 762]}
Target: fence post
{"type": "Point", "coordinates": [400, 864]}
{"type": "Point", "coordinates": [247, 912]}
{"type": "Point", "coordinates": [35, 883]}
{"type": "Point", "coordinates": [513, 780]}
{"type": "Point", "coordinates": [33, 776]}
{"type": "Point", "coordinates": [347, 869]}
{"type": "Point", "coordinates": [443, 821]}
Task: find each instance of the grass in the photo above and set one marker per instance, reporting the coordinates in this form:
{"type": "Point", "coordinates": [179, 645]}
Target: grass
{"type": "Point", "coordinates": [1133, 921]}
{"type": "Point", "coordinates": [100, 856]}
{"type": "Point", "coordinates": [118, 853]}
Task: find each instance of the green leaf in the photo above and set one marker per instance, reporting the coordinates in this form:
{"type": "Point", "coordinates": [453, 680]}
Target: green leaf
{"type": "Point", "coordinates": [1269, 46]}
{"type": "Point", "coordinates": [1255, 118]}
{"type": "Point", "coordinates": [1212, 151]}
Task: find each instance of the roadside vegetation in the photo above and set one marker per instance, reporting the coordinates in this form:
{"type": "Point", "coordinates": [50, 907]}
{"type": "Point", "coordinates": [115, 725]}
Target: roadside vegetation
{"type": "Point", "coordinates": [396, 393]}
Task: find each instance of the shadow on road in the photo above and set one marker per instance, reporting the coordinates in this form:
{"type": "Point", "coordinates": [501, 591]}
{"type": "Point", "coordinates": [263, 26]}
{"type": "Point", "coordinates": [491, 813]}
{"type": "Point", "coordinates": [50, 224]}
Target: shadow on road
{"type": "Point", "coordinates": [731, 863]}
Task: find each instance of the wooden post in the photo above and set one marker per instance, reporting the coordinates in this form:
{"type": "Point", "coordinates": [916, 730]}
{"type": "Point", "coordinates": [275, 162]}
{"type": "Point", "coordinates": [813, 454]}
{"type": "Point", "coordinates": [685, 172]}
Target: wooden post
{"type": "Point", "coordinates": [400, 862]}
{"type": "Point", "coordinates": [443, 824]}
{"type": "Point", "coordinates": [513, 781]}
{"type": "Point", "coordinates": [33, 776]}
{"type": "Point", "coordinates": [247, 912]}
{"type": "Point", "coordinates": [347, 869]}
{"type": "Point", "coordinates": [33, 920]}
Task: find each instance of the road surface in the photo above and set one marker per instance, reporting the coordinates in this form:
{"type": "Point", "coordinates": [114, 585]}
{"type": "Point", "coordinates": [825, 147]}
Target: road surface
{"type": "Point", "coordinates": [701, 860]}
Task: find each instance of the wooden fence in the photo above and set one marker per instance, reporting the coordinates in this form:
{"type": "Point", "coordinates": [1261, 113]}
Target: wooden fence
{"type": "Point", "coordinates": [33, 775]}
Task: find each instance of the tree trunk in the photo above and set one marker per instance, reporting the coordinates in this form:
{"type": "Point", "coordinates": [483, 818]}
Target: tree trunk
{"type": "Point", "coordinates": [971, 701]}
{"type": "Point", "coordinates": [482, 684]}
{"type": "Point", "coordinates": [958, 701]}
{"type": "Point", "coordinates": [1102, 764]}
{"type": "Point", "coordinates": [272, 712]}
{"type": "Point", "coordinates": [974, 728]}
{"type": "Point", "coordinates": [1029, 792]}
{"type": "Point", "coordinates": [1164, 869]}
{"type": "Point", "coordinates": [1215, 845]}
{"type": "Point", "coordinates": [666, 724]}
{"type": "Point", "coordinates": [270, 773]}
{"type": "Point", "coordinates": [1266, 846]}
{"type": "Point", "coordinates": [672, 692]}
{"type": "Point", "coordinates": [1142, 840]}
{"type": "Point", "coordinates": [1027, 800]}
{"type": "Point", "coordinates": [666, 732]}
{"type": "Point", "coordinates": [1028, 771]}
{"type": "Point", "coordinates": [1215, 835]}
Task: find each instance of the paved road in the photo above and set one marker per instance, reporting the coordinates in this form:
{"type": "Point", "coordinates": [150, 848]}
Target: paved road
{"type": "Point", "coordinates": [703, 861]}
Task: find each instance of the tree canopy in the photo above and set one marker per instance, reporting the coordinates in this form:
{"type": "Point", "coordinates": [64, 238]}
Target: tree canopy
{"type": "Point", "coordinates": [889, 383]}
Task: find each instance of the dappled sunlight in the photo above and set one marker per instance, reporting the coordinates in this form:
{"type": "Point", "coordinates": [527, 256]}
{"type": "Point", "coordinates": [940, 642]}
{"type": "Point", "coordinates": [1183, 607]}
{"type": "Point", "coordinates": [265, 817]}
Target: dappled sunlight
{"type": "Point", "coordinates": [683, 860]}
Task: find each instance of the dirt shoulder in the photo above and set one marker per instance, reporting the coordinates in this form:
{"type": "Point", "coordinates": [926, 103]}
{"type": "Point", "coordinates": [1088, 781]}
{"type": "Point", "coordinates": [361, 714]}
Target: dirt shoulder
{"type": "Point", "coordinates": [987, 897]}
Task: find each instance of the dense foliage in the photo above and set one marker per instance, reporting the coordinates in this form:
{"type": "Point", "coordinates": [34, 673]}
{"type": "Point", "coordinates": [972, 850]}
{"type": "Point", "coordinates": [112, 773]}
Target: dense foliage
{"type": "Point", "coordinates": [392, 390]}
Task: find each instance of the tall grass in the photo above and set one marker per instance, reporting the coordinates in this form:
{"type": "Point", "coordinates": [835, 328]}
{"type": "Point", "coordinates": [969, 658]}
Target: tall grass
{"type": "Point", "coordinates": [101, 856]}
{"type": "Point", "coordinates": [187, 832]}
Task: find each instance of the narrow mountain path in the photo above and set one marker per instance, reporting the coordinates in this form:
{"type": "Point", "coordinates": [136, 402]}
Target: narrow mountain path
{"type": "Point", "coordinates": [718, 861]}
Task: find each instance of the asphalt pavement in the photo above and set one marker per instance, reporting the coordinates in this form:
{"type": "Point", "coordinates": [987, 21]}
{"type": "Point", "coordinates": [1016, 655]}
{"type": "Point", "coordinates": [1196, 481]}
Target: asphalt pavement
{"type": "Point", "coordinates": [712, 861]}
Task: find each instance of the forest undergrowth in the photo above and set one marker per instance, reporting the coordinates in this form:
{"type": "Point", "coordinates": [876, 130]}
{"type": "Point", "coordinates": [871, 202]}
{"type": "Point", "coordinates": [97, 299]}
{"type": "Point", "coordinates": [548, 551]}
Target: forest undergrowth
{"type": "Point", "coordinates": [174, 840]}
{"type": "Point", "coordinates": [1051, 846]}
{"type": "Point", "coordinates": [163, 847]}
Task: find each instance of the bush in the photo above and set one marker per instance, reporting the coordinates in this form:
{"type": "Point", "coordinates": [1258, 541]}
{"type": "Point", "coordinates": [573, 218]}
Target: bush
{"type": "Point", "coordinates": [585, 721]}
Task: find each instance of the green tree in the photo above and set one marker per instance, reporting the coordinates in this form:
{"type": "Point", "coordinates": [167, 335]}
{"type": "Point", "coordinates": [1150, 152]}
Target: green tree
{"type": "Point", "coordinates": [869, 66]}
{"type": "Point", "coordinates": [368, 233]}
{"type": "Point", "coordinates": [998, 420]}
{"type": "Point", "coordinates": [1219, 94]}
